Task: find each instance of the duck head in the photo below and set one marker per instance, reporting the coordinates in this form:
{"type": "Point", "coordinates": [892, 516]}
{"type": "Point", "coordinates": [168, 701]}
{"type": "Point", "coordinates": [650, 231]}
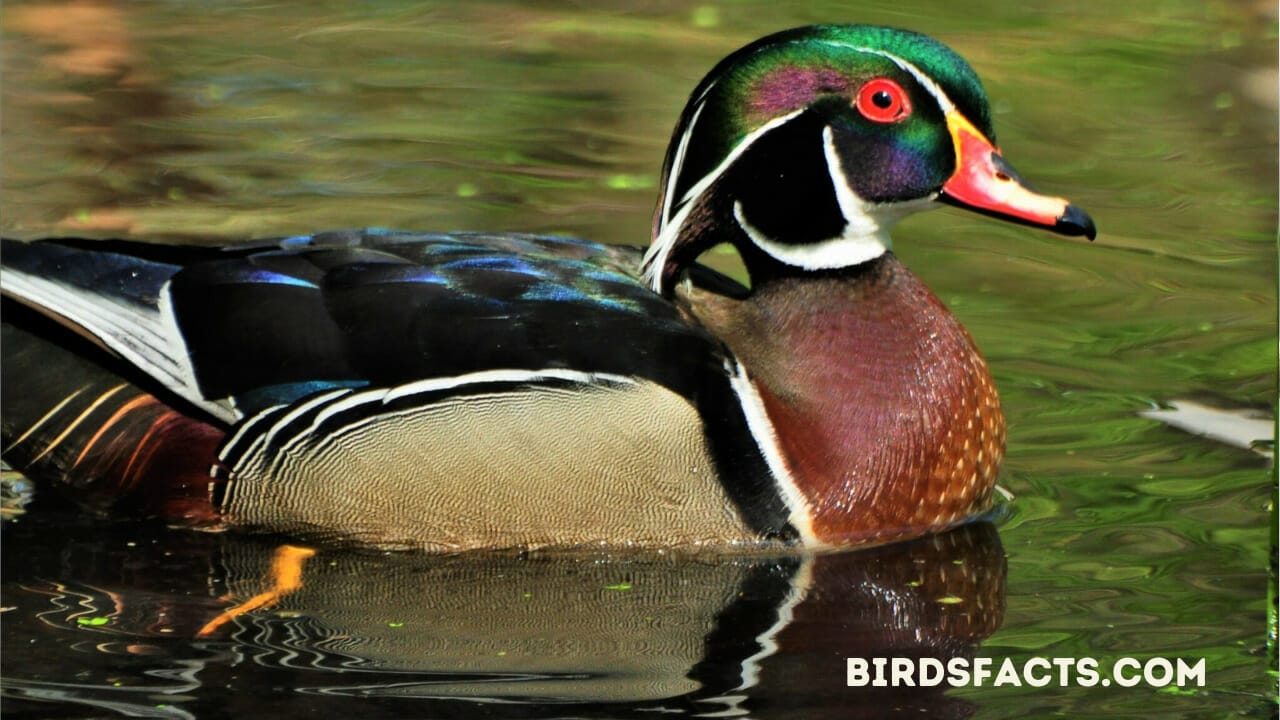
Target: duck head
{"type": "Point", "coordinates": [804, 148]}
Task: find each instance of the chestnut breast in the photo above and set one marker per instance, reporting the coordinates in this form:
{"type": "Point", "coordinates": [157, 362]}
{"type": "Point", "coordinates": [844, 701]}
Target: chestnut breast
{"type": "Point", "coordinates": [883, 409]}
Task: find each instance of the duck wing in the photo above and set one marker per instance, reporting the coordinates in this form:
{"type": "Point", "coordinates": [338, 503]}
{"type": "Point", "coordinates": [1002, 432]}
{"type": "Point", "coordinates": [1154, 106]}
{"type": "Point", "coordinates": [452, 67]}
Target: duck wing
{"type": "Point", "coordinates": [239, 330]}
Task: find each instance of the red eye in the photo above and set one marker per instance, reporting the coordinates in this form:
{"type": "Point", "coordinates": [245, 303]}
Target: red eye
{"type": "Point", "coordinates": [883, 100]}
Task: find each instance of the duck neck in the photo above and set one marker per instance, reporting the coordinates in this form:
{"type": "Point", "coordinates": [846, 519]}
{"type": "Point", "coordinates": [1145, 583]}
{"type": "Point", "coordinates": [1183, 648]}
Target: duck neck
{"type": "Point", "coordinates": [881, 409]}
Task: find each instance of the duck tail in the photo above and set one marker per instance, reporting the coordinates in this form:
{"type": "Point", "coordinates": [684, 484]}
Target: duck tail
{"type": "Point", "coordinates": [75, 420]}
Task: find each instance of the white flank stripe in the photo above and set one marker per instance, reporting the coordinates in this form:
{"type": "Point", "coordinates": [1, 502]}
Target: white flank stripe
{"type": "Point", "coordinates": [485, 376]}
{"type": "Point", "coordinates": [656, 258]}
{"type": "Point", "coordinates": [366, 397]}
{"type": "Point", "coordinates": [301, 410]}
{"type": "Point", "coordinates": [761, 427]}
{"type": "Point", "coordinates": [236, 439]}
{"type": "Point", "coordinates": [322, 445]}
{"type": "Point", "coordinates": [383, 396]}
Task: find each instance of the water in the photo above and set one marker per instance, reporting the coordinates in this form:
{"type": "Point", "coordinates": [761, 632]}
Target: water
{"type": "Point", "coordinates": [1126, 538]}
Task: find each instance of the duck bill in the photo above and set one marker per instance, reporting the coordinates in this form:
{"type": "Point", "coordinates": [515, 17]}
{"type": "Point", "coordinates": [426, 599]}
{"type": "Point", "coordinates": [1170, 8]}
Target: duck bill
{"type": "Point", "coordinates": [984, 182]}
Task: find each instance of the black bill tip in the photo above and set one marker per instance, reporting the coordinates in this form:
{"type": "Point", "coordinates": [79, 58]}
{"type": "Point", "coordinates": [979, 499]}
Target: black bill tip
{"type": "Point", "coordinates": [1075, 221]}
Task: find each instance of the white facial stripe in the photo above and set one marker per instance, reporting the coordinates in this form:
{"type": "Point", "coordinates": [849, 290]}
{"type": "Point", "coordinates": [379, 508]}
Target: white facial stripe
{"type": "Point", "coordinates": [864, 217]}
{"type": "Point", "coordinates": [934, 89]}
{"type": "Point", "coordinates": [858, 216]}
{"type": "Point", "coordinates": [866, 233]}
{"type": "Point", "coordinates": [761, 427]}
{"type": "Point", "coordinates": [668, 197]}
{"type": "Point", "coordinates": [735, 153]}
{"type": "Point", "coordinates": [927, 82]}
{"type": "Point", "coordinates": [655, 259]}
{"type": "Point", "coordinates": [677, 162]}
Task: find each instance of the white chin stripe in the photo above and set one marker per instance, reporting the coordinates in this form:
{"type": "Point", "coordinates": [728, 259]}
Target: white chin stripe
{"type": "Point", "coordinates": [823, 255]}
{"type": "Point", "coordinates": [866, 231]}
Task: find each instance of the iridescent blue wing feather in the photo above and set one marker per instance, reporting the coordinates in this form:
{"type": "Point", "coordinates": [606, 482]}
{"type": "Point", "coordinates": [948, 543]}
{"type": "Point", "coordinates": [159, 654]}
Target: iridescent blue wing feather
{"type": "Point", "coordinates": [239, 330]}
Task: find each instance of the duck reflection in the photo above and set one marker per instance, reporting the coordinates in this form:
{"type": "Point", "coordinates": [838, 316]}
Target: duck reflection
{"type": "Point", "coordinates": [700, 635]}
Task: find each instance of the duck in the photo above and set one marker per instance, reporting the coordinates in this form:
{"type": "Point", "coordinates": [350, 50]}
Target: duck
{"type": "Point", "coordinates": [470, 390]}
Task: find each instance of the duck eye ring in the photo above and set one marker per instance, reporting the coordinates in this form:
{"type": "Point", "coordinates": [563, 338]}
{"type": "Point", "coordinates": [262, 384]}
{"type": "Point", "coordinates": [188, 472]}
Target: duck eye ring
{"type": "Point", "coordinates": [883, 100]}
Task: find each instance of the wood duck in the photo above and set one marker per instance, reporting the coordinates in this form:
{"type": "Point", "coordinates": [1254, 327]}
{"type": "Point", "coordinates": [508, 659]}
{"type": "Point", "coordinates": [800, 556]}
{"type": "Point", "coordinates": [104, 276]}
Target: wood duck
{"type": "Point", "coordinates": [454, 391]}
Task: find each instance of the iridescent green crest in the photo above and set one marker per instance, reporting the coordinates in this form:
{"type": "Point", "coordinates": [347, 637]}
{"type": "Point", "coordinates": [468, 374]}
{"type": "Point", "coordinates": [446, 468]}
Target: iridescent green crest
{"type": "Point", "coordinates": [790, 70]}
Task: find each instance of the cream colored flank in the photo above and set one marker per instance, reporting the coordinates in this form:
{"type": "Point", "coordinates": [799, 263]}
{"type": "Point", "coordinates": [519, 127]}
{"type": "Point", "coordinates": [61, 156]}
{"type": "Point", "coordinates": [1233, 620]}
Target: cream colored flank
{"type": "Point", "coordinates": [538, 466]}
